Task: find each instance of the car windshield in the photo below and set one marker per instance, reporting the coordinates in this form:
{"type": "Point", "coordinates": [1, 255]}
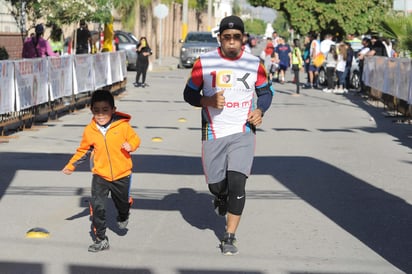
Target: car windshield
{"type": "Point", "coordinates": [200, 37]}
{"type": "Point", "coordinates": [134, 38]}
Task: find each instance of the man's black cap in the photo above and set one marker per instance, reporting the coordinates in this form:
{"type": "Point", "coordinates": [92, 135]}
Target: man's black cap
{"type": "Point", "coordinates": [231, 22]}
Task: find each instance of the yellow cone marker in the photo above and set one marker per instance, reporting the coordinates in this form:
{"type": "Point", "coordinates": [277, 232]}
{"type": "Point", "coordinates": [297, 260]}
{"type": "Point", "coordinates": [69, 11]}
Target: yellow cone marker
{"type": "Point", "coordinates": [37, 232]}
{"type": "Point", "coordinates": [157, 139]}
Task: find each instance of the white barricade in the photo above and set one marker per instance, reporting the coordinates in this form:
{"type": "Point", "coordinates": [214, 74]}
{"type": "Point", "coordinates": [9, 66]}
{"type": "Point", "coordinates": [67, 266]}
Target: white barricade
{"type": "Point", "coordinates": [102, 74]}
{"type": "Point", "coordinates": [116, 68]}
{"type": "Point", "coordinates": [391, 76]}
{"type": "Point", "coordinates": [61, 77]}
{"type": "Point", "coordinates": [29, 82]}
{"type": "Point", "coordinates": [7, 91]}
{"type": "Point", "coordinates": [83, 79]}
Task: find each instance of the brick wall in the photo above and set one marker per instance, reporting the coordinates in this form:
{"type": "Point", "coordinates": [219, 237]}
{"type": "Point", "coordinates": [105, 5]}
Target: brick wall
{"type": "Point", "coordinates": [13, 44]}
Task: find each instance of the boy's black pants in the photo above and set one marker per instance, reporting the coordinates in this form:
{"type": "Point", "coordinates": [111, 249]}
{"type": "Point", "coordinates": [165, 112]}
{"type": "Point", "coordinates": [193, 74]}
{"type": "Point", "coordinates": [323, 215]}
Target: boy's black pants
{"type": "Point", "coordinates": [120, 191]}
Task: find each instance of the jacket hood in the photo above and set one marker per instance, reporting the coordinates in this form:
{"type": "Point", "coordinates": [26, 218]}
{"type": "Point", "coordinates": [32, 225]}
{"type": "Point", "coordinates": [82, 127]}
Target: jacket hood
{"type": "Point", "coordinates": [118, 117]}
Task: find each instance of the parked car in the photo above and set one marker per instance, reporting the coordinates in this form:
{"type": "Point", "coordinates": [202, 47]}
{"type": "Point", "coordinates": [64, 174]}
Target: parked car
{"type": "Point", "coordinates": [128, 42]}
{"type": "Point", "coordinates": [195, 44]}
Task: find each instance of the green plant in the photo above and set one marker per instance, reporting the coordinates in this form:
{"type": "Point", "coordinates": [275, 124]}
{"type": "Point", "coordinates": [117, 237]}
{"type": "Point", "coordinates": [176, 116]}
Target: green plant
{"type": "Point", "coordinates": [399, 28]}
{"type": "Point", "coordinates": [3, 53]}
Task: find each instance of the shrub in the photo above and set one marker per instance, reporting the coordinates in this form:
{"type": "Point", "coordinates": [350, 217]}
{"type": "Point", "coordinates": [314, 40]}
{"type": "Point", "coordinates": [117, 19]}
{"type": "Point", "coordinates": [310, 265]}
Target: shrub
{"type": "Point", "coordinates": [3, 53]}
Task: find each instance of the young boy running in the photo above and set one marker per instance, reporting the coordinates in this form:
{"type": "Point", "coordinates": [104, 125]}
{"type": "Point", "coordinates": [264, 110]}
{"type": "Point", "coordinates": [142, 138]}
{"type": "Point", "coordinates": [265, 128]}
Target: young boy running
{"type": "Point", "coordinates": [108, 139]}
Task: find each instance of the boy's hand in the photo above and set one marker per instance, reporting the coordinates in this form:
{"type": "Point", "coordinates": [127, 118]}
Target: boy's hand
{"type": "Point", "coordinates": [67, 171]}
{"type": "Point", "coordinates": [126, 146]}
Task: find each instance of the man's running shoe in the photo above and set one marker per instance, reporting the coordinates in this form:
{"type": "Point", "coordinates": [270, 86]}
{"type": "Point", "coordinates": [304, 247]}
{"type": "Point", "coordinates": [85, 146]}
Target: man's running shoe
{"type": "Point", "coordinates": [99, 245]}
{"type": "Point", "coordinates": [220, 204]}
{"type": "Point", "coordinates": [228, 244]}
{"type": "Point", "coordinates": [122, 225]}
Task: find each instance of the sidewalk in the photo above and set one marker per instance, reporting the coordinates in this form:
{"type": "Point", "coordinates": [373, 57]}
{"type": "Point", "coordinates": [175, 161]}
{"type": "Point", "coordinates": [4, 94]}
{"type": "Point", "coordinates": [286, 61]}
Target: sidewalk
{"type": "Point", "coordinates": [167, 63]}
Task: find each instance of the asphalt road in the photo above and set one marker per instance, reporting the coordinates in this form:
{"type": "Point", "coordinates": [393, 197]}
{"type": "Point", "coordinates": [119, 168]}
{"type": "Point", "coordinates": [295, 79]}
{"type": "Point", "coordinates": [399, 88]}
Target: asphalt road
{"type": "Point", "coordinates": [330, 191]}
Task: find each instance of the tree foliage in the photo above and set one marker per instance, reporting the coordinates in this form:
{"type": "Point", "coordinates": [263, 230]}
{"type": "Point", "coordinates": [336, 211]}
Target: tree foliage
{"type": "Point", "coordinates": [398, 28]}
{"type": "Point", "coordinates": [61, 12]}
{"type": "Point", "coordinates": [255, 26]}
{"type": "Point", "coordinates": [337, 17]}
{"type": "Point", "coordinates": [31, 11]}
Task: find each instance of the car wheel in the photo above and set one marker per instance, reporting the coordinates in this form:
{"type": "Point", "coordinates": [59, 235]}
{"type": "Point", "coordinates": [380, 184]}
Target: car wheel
{"type": "Point", "coordinates": [355, 80]}
{"type": "Point", "coordinates": [322, 77]}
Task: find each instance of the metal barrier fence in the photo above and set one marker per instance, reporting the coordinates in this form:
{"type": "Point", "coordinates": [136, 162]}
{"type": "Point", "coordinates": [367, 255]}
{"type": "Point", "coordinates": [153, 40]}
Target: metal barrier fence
{"type": "Point", "coordinates": [33, 88]}
{"type": "Point", "coordinates": [390, 76]}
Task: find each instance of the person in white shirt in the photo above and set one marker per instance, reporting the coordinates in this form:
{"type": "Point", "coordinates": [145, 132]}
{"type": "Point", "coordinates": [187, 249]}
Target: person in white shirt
{"type": "Point", "coordinates": [326, 43]}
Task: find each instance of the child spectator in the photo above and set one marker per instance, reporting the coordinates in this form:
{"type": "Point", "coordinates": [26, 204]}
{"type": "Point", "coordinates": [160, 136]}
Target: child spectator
{"type": "Point", "coordinates": [340, 67]}
{"type": "Point", "coordinates": [331, 61]}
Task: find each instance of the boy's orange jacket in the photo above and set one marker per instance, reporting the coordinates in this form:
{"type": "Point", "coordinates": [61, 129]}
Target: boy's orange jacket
{"type": "Point", "coordinates": [107, 157]}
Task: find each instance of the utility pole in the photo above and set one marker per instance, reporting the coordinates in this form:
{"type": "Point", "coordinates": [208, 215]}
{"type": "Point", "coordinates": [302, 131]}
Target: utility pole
{"type": "Point", "coordinates": [184, 18]}
{"type": "Point", "coordinates": [209, 15]}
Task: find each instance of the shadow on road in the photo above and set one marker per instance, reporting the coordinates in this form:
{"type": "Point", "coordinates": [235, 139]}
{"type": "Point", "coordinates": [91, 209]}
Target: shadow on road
{"type": "Point", "coordinates": [380, 220]}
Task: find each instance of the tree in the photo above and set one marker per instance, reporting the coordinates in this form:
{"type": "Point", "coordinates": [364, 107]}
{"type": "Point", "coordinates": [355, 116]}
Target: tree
{"type": "Point", "coordinates": [338, 17]}
{"type": "Point", "coordinates": [62, 12]}
{"type": "Point", "coordinates": [255, 26]}
{"type": "Point", "coordinates": [59, 12]}
{"type": "Point", "coordinates": [281, 25]}
{"type": "Point", "coordinates": [24, 11]}
{"type": "Point", "coordinates": [398, 28]}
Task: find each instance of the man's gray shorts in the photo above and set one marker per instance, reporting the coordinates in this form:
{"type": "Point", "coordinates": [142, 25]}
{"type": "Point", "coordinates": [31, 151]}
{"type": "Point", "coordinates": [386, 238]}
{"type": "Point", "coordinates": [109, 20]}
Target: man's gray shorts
{"type": "Point", "coordinates": [234, 152]}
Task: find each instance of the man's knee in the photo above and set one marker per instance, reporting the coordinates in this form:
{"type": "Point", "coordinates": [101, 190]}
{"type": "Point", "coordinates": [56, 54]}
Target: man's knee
{"type": "Point", "coordinates": [219, 189]}
{"type": "Point", "coordinates": [237, 194]}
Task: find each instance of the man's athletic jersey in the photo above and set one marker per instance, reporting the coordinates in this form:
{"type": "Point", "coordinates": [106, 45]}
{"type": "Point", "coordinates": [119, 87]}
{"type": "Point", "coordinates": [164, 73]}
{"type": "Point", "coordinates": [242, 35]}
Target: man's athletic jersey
{"type": "Point", "coordinates": [237, 78]}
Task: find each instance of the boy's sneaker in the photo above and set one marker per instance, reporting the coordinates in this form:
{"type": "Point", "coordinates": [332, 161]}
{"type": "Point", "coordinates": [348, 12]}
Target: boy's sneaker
{"type": "Point", "coordinates": [99, 245]}
{"type": "Point", "coordinates": [220, 204]}
{"type": "Point", "coordinates": [123, 225]}
{"type": "Point", "coordinates": [228, 244]}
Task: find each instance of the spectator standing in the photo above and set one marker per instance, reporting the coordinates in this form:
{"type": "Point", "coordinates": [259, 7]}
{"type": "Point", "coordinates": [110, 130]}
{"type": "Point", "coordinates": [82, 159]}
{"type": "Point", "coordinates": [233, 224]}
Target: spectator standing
{"type": "Point", "coordinates": [313, 70]}
{"type": "Point", "coordinates": [36, 46]}
{"type": "Point", "coordinates": [326, 43]}
{"type": "Point", "coordinates": [366, 44]}
{"type": "Point", "coordinates": [340, 67]}
{"type": "Point", "coordinates": [331, 61]}
{"type": "Point", "coordinates": [83, 38]}
{"type": "Point", "coordinates": [110, 139]}
{"type": "Point", "coordinates": [377, 47]}
{"type": "Point", "coordinates": [275, 39]}
{"type": "Point", "coordinates": [56, 40]}
{"type": "Point", "coordinates": [142, 62]}
{"type": "Point", "coordinates": [348, 67]}
{"type": "Point", "coordinates": [283, 55]}
{"type": "Point", "coordinates": [297, 63]}
{"type": "Point", "coordinates": [388, 46]}
{"type": "Point", "coordinates": [246, 43]}
{"type": "Point", "coordinates": [224, 82]}
{"type": "Point", "coordinates": [268, 60]}
{"type": "Point", "coordinates": [306, 57]}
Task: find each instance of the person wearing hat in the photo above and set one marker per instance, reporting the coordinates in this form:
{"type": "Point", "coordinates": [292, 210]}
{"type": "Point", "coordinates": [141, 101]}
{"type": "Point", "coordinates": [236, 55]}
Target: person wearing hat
{"type": "Point", "coordinates": [37, 46]}
{"type": "Point", "coordinates": [224, 83]}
